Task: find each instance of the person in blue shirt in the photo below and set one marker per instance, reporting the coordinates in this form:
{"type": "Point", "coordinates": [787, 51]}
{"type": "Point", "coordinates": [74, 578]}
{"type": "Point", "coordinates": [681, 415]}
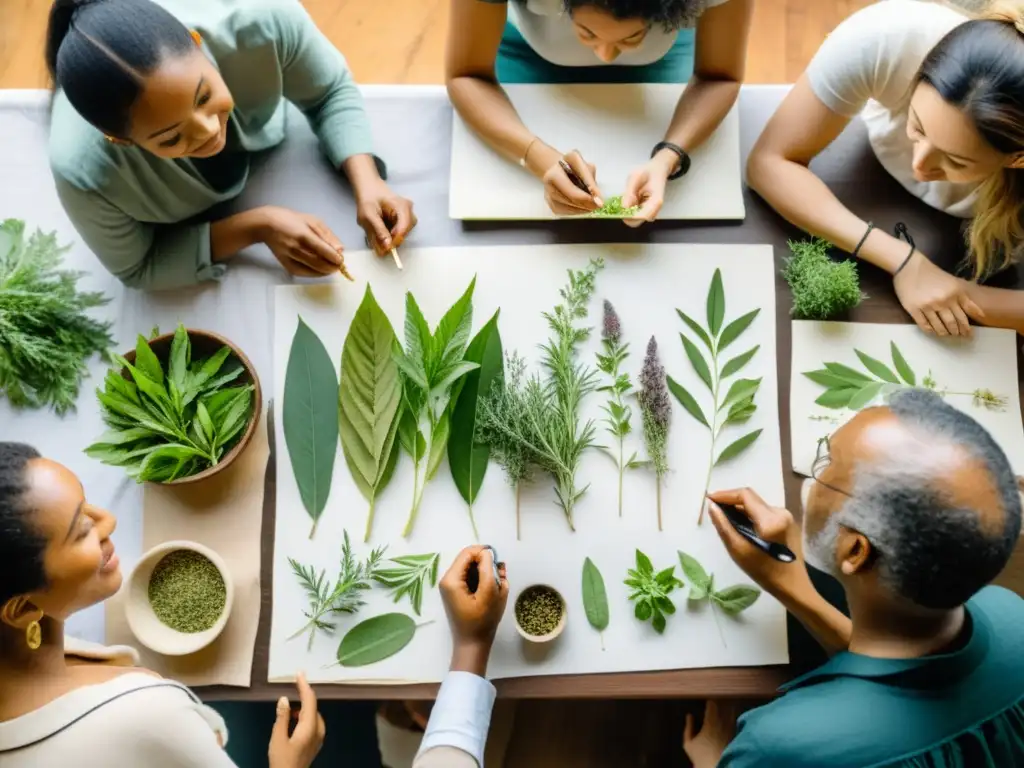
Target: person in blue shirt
{"type": "Point", "coordinates": [914, 509]}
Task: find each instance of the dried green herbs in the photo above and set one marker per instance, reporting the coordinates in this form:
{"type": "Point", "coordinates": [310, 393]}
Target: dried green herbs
{"type": "Point", "coordinates": [539, 610]}
{"type": "Point", "coordinates": [738, 401]}
{"type": "Point", "coordinates": [595, 598]}
{"type": "Point", "coordinates": [651, 591]}
{"type": "Point", "coordinates": [409, 577]}
{"type": "Point", "coordinates": [187, 592]}
{"type": "Point", "coordinates": [612, 209]}
{"type": "Point", "coordinates": [165, 427]}
{"type": "Point", "coordinates": [656, 415]}
{"type": "Point", "coordinates": [821, 288]}
{"type": "Point", "coordinates": [732, 600]}
{"type": "Point", "coordinates": [46, 337]}
{"type": "Point", "coordinates": [375, 639]}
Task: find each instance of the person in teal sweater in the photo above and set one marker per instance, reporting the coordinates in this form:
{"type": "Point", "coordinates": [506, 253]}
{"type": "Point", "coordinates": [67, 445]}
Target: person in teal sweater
{"type": "Point", "coordinates": [699, 42]}
{"type": "Point", "coordinates": [158, 108]}
{"type": "Point", "coordinates": [914, 509]}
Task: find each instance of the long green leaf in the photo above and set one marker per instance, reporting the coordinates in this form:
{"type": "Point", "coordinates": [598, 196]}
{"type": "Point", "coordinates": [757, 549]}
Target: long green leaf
{"type": "Point", "coordinates": [732, 331]}
{"type": "Point", "coordinates": [734, 365]}
{"type": "Point", "coordinates": [310, 419]}
{"type": "Point", "coordinates": [146, 361]}
{"type": "Point", "coordinates": [177, 364]}
{"type": "Point", "coordinates": [736, 599]}
{"type": "Point", "coordinates": [698, 362]}
{"type": "Point", "coordinates": [686, 400]}
{"type": "Point", "coordinates": [737, 447]}
{"type": "Point", "coordinates": [827, 379]}
{"type": "Point", "coordinates": [877, 367]}
{"type": "Point", "coordinates": [417, 338]}
{"type": "Point", "coordinates": [741, 389]}
{"type": "Point", "coordinates": [694, 572]}
{"type": "Point", "coordinates": [696, 328]}
{"type": "Point", "coordinates": [595, 598]}
{"type": "Point", "coordinates": [438, 444]}
{"type": "Point", "coordinates": [836, 398]}
{"type": "Point", "coordinates": [449, 341]}
{"type": "Point", "coordinates": [847, 374]}
{"type": "Point", "coordinates": [902, 367]}
{"type": "Point", "coordinates": [375, 639]}
{"type": "Point", "coordinates": [865, 395]}
{"type": "Point", "coordinates": [716, 304]}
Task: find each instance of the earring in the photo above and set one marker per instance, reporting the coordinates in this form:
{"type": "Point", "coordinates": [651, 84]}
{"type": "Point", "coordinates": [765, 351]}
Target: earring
{"type": "Point", "coordinates": [117, 141]}
{"type": "Point", "coordinates": [33, 636]}
{"type": "Point", "coordinates": [196, 37]}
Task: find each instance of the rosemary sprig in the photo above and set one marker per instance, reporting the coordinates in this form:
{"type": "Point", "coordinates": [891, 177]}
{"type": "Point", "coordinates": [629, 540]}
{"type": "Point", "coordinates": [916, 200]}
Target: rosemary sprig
{"type": "Point", "coordinates": [410, 577]}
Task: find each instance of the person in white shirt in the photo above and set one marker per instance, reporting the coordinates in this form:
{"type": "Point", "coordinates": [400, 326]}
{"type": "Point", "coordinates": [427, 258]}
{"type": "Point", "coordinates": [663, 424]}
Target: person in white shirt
{"type": "Point", "coordinates": [597, 41]}
{"type": "Point", "coordinates": [942, 95]}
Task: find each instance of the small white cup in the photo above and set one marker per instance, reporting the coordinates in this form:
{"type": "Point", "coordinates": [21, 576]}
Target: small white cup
{"type": "Point", "coordinates": [553, 633]}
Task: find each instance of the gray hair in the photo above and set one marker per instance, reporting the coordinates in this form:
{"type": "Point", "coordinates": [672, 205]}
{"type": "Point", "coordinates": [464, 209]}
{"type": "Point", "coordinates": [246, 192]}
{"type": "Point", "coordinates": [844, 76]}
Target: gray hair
{"type": "Point", "coordinates": [929, 550]}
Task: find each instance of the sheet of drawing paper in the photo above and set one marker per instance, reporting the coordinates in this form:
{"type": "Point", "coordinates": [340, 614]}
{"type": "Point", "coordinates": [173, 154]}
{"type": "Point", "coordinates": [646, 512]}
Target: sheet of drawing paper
{"type": "Point", "coordinates": [986, 361]}
{"type": "Point", "coordinates": [614, 127]}
{"type": "Point", "coordinates": [646, 283]}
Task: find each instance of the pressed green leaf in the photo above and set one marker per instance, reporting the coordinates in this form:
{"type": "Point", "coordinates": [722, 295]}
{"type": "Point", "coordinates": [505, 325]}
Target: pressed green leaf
{"type": "Point", "coordinates": [865, 395]}
{"type": "Point", "coordinates": [467, 458]}
{"type": "Point", "coordinates": [179, 359]}
{"type": "Point", "coordinates": [146, 361]}
{"type": "Point", "coordinates": [732, 331]}
{"type": "Point", "coordinates": [740, 411]}
{"type": "Point", "coordinates": [827, 379]}
{"type": "Point", "coordinates": [902, 367]}
{"type": "Point", "coordinates": [836, 398]}
{"type": "Point", "coordinates": [595, 599]}
{"type": "Point", "coordinates": [741, 389]}
{"type": "Point", "coordinates": [694, 571]}
{"type": "Point", "coordinates": [449, 340]}
{"type": "Point", "coordinates": [643, 563]}
{"type": "Point", "coordinates": [877, 367]}
{"type": "Point", "coordinates": [698, 362]}
{"type": "Point", "coordinates": [736, 599]}
{"type": "Point", "coordinates": [847, 374]}
{"type": "Point", "coordinates": [417, 337]}
{"type": "Point", "coordinates": [686, 400]}
{"type": "Point", "coordinates": [375, 639]}
{"type": "Point", "coordinates": [310, 418]}
{"type": "Point", "coordinates": [734, 365]}
{"type": "Point", "coordinates": [716, 304]}
{"type": "Point", "coordinates": [737, 447]}
{"type": "Point", "coordinates": [695, 327]}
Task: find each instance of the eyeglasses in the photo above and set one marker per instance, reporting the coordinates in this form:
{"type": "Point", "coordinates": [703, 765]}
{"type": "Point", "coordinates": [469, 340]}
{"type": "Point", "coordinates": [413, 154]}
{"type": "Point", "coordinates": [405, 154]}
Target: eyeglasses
{"type": "Point", "coordinates": [822, 461]}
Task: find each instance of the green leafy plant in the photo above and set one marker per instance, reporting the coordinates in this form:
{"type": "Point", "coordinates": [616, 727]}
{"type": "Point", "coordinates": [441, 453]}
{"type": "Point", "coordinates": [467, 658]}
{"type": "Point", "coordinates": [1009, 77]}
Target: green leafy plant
{"type": "Point", "coordinates": [537, 421]}
{"type": "Point", "coordinates": [376, 639]}
{"type": "Point", "coordinates": [821, 287]}
{"type": "Point", "coordinates": [165, 427]}
{"type": "Point", "coordinates": [656, 415]}
{"type": "Point", "coordinates": [412, 574]}
{"type": "Point", "coordinates": [46, 337]}
{"type": "Point", "coordinates": [651, 591]}
{"type": "Point", "coordinates": [595, 598]}
{"type": "Point", "coordinates": [310, 419]}
{"type": "Point", "coordinates": [732, 600]}
{"type": "Point", "coordinates": [431, 364]}
{"type": "Point", "coordinates": [618, 414]}
{"type": "Point", "coordinates": [728, 407]}
{"type": "Point", "coordinates": [345, 595]}
{"type": "Point", "coordinates": [467, 456]}
{"type": "Point", "coordinates": [369, 402]}
{"type": "Point", "coordinates": [612, 209]}
{"type": "Point", "coordinates": [846, 387]}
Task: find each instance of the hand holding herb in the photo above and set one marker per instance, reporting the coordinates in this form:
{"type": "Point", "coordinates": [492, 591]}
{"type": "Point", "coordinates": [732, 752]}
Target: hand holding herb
{"type": "Point", "coordinates": [651, 591]}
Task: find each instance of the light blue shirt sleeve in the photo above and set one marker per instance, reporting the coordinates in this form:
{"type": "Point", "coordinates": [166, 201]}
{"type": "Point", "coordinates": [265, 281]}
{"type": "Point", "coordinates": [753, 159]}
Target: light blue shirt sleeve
{"type": "Point", "coordinates": [461, 716]}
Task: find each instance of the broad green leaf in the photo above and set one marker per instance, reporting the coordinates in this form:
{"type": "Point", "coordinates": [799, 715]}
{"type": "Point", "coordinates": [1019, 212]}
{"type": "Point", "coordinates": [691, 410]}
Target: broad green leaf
{"type": "Point", "coordinates": [902, 367]}
{"type": "Point", "coordinates": [375, 639]}
{"type": "Point", "coordinates": [205, 422]}
{"type": "Point", "coordinates": [737, 447]}
{"type": "Point", "coordinates": [159, 464]}
{"type": "Point", "coordinates": [847, 374]}
{"type": "Point", "coordinates": [695, 327]}
{"type": "Point", "coordinates": [694, 572]}
{"type": "Point", "coordinates": [686, 400]}
{"type": "Point", "coordinates": [155, 392]}
{"type": "Point", "coordinates": [234, 370]}
{"type": "Point", "coordinates": [734, 365]}
{"type": "Point", "coordinates": [732, 331]}
{"type": "Point", "coordinates": [409, 367]}
{"type": "Point", "coordinates": [865, 395]}
{"type": "Point", "coordinates": [666, 577]}
{"type": "Point", "coordinates": [452, 334]}
{"type": "Point", "coordinates": [209, 368]}
{"type": "Point", "coordinates": [698, 362]}
{"type": "Point", "coordinates": [146, 361]}
{"type": "Point", "coordinates": [741, 389]}
{"type": "Point", "coordinates": [658, 623]}
{"type": "Point", "coordinates": [642, 611]}
{"type": "Point", "coordinates": [438, 444]}
{"type": "Point", "coordinates": [877, 367]}
{"type": "Point", "coordinates": [124, 436]}
{"type": "Point", "coordinates": [836, 398]}
{"type": "Point", "coordinates": [736, 599]}
{"type": "Point", "coordinates": [643, 563]}
{"type": "Point", "coordinates": [409, 434]}
{"type": "Point", "coordinates": [447, 377]}
{"type": "Point", "coordinates": [310, 419]}
{"type": "Point", "coordinates": [666, 605]}
{"type": "Point", "coordinates": [467, 458]}
{"type": "Point", "coordinates": [178, 361]}
{"type": "Point", "coordinates": [827, 379]}
{"type": "Point", "coordinates": [417, 337]}
{"type": "Point", "coordinates": [369, 395]}
{"type": "Point", "coordinates": [234, 418]}
{"type": "Point", "coordinates": [134, 413]}
{"type": "Point", "coordinates": [595, 599]}
{"type": "Point", "coordinates": [220, 401]}
{"type": "Point", "coordinates": [740, 411]}
{"type": "Point", "coordinates": [716, 304]}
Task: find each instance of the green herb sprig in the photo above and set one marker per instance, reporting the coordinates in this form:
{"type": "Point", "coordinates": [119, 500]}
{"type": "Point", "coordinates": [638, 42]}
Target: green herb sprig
{"type": "Point", "coordinates": [410, 577]}
{"type": "Point", "coordinates": [821, 287]}
{"type": "Point", "coordinates": [732, 600]}
{"type": "Point", "coordinates": [612, 209]}
{"type": "Point", "coordinates": [651, 591]}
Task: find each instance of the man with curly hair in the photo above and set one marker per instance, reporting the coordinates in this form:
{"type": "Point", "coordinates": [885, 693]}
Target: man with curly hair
{"type": "Point", "coordinates": [699, 42]}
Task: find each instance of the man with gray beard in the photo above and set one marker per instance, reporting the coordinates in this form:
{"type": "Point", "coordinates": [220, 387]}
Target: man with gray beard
{"type": "Point", "coordinates": [914, 509]}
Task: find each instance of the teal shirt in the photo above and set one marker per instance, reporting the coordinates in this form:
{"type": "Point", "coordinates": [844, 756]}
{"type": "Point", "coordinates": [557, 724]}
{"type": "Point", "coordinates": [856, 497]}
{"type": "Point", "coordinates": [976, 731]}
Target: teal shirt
{"type": "Point", "coordinates": [964, 709]}
{"type": "Point", "coordinates": [132, 208]}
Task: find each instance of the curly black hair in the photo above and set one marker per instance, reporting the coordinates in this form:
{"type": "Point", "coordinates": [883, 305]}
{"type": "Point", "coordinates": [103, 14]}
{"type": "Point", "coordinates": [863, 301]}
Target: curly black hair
{"type": "Point", "coordinates": [21, 546]}
{"type": "Point", "coordinates": [670, 14]}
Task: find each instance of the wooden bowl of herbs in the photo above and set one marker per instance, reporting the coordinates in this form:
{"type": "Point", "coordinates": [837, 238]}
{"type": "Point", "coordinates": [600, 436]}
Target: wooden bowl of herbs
{"type": "Point", "coordinates": [180, 408]}
{"type": "Point", "coordinates": [179, 598]}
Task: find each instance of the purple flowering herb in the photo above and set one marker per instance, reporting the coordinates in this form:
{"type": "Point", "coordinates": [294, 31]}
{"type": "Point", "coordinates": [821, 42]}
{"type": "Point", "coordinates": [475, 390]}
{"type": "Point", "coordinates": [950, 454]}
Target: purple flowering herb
{"type": "Point", "coordinates": [612, 328]}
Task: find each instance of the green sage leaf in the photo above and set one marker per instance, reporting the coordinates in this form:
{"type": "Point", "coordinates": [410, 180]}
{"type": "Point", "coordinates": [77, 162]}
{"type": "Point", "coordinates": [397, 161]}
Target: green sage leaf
{"type": "Point", "coordinates": [694, 572]}
{"type": "Point", "coordinates": [686, 400]}
{"type": "Point", "coordinates": [732, 331]}
{"type": "Point", "coordinates": [865, 395]}
{"type": "Point", "coordinates": [595, 599]}
{"type": "Point", "coordinates": [902, 367]}
{"type": "Point", "coordinates": [716, 304]}
{"type": "Point", "coordinates": [376, 639]}
{"type": "Point", "coordinates": [695, 327]}
{"type": "Point", "coordinates": [734, 365]}
{"type": "Point", "coordinates": [737, 447]}
{"type": "Point", "coordinates": [877, 367]}
{"type": "Point", "coordinates": [736, 599]}
{"type": "Point", "coordinates": [698, 362]}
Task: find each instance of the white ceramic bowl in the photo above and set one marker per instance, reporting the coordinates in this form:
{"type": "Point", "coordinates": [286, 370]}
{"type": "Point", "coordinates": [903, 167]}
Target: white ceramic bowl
{"type": "Point", "coordinates": [553, 633]}
{"type": "Point", "coordinates": [145, 625]}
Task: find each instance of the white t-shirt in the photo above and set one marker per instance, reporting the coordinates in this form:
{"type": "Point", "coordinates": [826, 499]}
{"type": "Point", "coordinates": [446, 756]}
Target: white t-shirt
{"type": "Point", "coordinates": [869, 64]}
{"type": "Point", "coordinates": [546, 26]}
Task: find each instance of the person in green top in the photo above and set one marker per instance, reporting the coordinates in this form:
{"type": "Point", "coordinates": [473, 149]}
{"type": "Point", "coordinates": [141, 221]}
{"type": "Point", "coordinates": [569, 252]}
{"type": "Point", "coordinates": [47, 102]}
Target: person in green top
{"type": "Point", "coordinates": [158, 108]}
{"type": "Point", "coordinates": [914, 509]}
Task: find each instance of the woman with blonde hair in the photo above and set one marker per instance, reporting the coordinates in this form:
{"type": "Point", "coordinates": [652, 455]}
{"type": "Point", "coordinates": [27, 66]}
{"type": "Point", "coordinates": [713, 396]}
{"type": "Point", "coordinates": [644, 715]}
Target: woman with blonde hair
{"type": "Point", "coordinates": [942, 96]}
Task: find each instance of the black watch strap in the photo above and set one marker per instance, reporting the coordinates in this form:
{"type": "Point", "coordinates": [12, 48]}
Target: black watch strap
{"type": "Point", "coordinates": [682, 154]}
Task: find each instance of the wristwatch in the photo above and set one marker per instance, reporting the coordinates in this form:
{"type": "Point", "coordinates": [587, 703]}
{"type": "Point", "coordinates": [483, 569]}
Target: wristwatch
{"type": "Point", "coordinates": [682, 154]}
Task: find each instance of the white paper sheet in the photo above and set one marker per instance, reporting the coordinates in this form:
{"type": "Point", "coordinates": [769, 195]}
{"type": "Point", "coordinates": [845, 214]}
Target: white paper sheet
{"type": "Point", "coordinates": [986, 361]}
{"type": "Point", "coordinates": [646, 283]}
{"type": "Point", "coordinates": [614, 127]}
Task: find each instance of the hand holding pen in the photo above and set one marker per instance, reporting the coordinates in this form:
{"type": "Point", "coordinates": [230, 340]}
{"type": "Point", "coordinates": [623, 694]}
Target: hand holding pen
{"type": "Point", "coordinates": [570, 186]}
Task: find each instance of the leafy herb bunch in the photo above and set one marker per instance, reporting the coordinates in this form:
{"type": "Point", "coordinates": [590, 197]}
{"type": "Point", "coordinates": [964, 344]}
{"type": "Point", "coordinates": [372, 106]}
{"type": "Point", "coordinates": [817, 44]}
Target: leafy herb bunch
{"type": "Point", "coordinates": [167, 426]}
{"type": "Point", "coordinates": [732, 600]}
{"type": "Point", "coordinates": [822, 288]}
{"type": "Point", "coordinates": [651, 591]}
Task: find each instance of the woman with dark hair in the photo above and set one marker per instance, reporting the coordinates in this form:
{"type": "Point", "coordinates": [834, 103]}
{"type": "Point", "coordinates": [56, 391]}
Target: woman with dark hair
{"type": "Point", "coordinates": [491, 42]}
{"type": "Point", "coordinates": [68, 703]}
{"type": "Point", "coordinates": [942, 95]}
{"type": "Point", "coordinates": [157, 111]}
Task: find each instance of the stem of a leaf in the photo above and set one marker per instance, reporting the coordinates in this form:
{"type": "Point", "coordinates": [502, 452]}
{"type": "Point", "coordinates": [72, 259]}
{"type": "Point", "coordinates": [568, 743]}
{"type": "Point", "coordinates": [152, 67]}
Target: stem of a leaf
{"type": "Point", "coordinates": [601, 635]}
{"type": "Point", "coordinates": [416, 496]}
{"type": "Point", "coordinates": [472, 522]}
{"type": "Point", "coordinates": [714, 614]}
{"type": "Point", "coordinates": [714, 433]}
{"type": "Point", "coordinates": [657, 486]}
{"type": "Point", "coordinates": [519, 491]}
{"type": "Point", "coordinates": [369, 520]}
{"type": "Point", "coordinates": [312, 533]}
{"type": "Point", "coordinates": [621, 472]}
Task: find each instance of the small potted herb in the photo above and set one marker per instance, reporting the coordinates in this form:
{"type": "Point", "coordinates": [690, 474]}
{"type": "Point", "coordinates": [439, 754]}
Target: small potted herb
{"type": "Point", "coordinates": [540, 613]}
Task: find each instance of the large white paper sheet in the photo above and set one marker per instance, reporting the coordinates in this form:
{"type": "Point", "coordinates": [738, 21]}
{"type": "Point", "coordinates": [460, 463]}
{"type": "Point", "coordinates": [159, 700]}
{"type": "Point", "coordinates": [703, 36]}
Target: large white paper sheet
{"type": "Point", "coordinates": [646, 283]}
{"type": "Point", "coordinates": [614, 127]}
{"type": "Point", "coordinates": [988, 360]}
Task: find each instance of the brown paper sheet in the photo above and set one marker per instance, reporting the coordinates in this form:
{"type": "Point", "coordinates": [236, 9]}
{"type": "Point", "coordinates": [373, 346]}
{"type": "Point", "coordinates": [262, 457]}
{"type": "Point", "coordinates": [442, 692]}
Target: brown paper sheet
{"type": "Point", "coordinates": [226, 514]}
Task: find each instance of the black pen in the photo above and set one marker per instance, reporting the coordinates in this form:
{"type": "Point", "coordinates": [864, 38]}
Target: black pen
{"type": "Point", "coordinates": [745, 527]}
{"type": "Point", "coordinates": [574, 177]}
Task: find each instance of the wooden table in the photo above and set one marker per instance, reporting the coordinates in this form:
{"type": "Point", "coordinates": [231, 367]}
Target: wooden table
{"type": "Point", "coordinates": [851, 171]}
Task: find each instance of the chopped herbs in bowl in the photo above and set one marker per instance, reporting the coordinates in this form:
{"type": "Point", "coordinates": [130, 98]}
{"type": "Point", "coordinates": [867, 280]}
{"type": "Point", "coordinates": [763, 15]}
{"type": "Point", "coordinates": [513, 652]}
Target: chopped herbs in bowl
{"type": "Point", "coordinates": [182, 407]}
{"type": "Point", "coordinates": [540, 613]}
